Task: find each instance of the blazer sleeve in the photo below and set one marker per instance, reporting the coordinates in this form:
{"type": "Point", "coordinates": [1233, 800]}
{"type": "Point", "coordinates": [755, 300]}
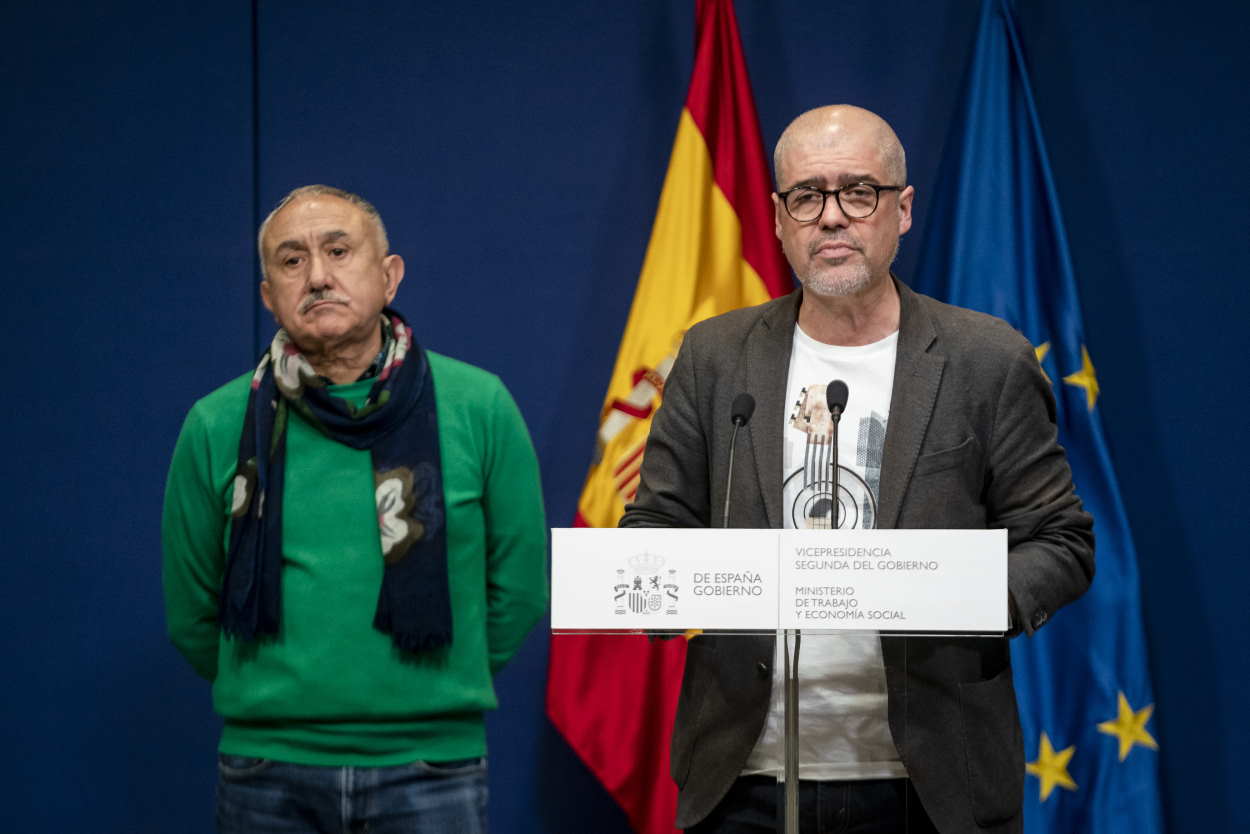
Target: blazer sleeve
{"type": "Point", "coordinates": [1050, 537]}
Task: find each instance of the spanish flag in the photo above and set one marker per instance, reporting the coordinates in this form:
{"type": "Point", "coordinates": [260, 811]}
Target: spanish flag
{"type": "Point", "coordinates": [712, 249]}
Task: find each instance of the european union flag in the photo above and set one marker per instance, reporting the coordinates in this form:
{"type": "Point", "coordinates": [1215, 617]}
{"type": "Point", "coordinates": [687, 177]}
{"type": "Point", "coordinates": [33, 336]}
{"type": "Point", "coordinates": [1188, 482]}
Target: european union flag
{"type": "Point", "coordinates": [996, 243]}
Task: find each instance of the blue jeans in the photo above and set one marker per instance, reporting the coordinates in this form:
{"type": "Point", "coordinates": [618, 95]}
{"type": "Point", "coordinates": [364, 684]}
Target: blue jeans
{"type": "Point", "coordinates": [263, 796]}
{"type": "Point", "coordinates": [754, 805]}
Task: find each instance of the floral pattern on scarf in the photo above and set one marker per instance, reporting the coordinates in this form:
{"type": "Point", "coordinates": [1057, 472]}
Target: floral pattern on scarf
{"type": "Point", "coordinates": [394, 498]}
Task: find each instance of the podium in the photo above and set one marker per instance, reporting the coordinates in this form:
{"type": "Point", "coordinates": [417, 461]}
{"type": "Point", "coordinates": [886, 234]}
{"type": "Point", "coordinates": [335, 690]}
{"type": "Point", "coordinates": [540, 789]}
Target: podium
{"type": "Point", "coordinates": [784, 582]}
{"type": "Point", "coordinates": [756, 581]}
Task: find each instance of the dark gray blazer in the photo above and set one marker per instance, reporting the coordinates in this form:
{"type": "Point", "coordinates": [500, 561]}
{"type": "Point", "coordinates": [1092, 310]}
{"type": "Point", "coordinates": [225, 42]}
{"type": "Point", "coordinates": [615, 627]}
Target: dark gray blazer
{"type": "Point", "coordinates": [970, 443]}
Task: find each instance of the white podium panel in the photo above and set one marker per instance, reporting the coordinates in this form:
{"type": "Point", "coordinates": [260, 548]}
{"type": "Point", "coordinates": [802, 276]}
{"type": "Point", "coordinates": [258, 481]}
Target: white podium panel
{"type": "Point", "coordinates": [894, 580]}
{"type": "Point", "coordinates": [762, 580]}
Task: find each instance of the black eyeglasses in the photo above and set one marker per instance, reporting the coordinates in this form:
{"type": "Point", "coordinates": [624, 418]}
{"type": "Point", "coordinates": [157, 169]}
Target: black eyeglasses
{"type": "Point", "coordinates": [858, 200]}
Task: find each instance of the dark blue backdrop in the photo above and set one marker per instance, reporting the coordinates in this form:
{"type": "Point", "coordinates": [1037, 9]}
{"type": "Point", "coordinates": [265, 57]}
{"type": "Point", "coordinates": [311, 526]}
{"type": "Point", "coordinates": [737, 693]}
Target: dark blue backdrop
{"type": "Point", "coordinates": [142, 140]}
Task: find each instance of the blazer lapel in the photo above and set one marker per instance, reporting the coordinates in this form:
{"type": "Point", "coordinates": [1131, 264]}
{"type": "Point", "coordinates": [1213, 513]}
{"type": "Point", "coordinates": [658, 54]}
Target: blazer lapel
{"type": "Point", "coordinates": [917, 374]}
{"type": "Point", "coordinates": [767, 367]}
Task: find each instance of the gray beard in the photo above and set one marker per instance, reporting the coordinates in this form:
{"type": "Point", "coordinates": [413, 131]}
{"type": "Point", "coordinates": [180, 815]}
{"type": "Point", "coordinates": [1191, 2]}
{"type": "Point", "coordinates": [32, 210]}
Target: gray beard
{"type": "Point", "coordinates": [857, 281]}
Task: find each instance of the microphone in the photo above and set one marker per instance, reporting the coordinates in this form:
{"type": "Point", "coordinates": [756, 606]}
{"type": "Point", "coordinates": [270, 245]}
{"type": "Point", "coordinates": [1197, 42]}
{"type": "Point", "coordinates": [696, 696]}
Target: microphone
{"type": "Point", "coordinates": [739, 414]}
{"type": "Point", "coordinates": [836, 394]}
{"type": "Point", "coordinates": [742, 409]}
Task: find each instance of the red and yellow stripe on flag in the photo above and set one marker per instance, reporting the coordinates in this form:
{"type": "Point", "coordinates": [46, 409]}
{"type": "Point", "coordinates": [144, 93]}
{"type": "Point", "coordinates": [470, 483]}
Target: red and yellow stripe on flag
{"type": "Point", "coordinates": [712, 249]}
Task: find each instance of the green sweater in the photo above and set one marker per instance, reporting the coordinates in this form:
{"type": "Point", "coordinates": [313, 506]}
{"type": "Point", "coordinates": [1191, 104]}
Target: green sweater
{"type": "Point", "coordinates": [330, 689]}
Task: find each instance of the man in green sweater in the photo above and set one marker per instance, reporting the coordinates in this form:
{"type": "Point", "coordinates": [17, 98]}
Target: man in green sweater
{"type": "Point", "coordinates": [354, 544]}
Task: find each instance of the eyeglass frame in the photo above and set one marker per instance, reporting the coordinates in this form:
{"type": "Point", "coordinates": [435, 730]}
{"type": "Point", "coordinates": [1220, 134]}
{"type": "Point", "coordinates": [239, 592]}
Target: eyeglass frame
{"type": "Point", "coordinates": [836, 193]}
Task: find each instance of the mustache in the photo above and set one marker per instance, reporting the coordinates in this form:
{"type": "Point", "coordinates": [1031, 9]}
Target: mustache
{"type": "Point", "coordinates": [834, 238]}
{"type": "Point", "coordinates": [320, 295]}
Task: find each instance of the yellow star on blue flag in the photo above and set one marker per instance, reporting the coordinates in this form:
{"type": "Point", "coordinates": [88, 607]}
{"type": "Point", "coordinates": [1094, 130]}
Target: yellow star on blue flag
{"type": "Point", "coordinates": [1085, 378]}
{"type": "Point", "coordinates": [1129, 727]}
{"type": "Point", "coordinates": [1051, 767]}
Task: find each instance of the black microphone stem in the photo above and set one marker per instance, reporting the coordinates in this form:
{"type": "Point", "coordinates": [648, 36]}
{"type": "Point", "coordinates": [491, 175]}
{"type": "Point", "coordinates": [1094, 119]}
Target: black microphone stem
{"type": "Point", "coordinates": [836, 395]}
{"type": "Point", "coordinates": [740, 412]}
{"type": "Point", "coordinates": [837, 418]}
{"type": "Point", "coordinates": [729, 479]}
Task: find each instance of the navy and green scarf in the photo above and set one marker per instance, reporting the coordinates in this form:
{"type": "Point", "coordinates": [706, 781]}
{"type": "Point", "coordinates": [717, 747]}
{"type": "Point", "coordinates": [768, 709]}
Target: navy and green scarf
{"type": "Point", "coordinates": [398, 424]}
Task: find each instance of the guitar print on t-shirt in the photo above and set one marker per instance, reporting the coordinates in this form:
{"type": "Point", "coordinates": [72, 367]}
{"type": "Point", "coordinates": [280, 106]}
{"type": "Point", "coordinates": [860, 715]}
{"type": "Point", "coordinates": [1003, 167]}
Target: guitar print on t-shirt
{"type": "Point", "coordinates": [811, 506]}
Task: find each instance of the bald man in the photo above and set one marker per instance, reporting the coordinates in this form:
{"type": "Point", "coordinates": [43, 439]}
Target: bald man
{"type": "Point", "coordinates": [354, 544]}
{"type": "Point", "coordinates": [949, 424]}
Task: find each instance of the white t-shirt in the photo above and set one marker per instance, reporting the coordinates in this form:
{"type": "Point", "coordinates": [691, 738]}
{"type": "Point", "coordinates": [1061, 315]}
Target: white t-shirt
{"type": "Point", "coordinates": [843, 729]}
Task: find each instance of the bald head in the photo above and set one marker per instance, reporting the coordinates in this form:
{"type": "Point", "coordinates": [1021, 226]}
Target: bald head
{"type": "Point", "coordinates": [835, 254]}
{"type": "Point", "coordinates": [836, 125]}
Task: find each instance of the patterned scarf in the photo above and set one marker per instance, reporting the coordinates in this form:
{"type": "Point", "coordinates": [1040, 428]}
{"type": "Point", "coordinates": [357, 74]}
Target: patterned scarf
{"type": "Point", "coordinates": [399, 426]}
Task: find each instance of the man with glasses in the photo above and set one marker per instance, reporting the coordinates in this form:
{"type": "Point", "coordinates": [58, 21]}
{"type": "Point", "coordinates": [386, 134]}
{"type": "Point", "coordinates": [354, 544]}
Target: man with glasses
{"type": "Point", "coordinates": [949, 424]}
